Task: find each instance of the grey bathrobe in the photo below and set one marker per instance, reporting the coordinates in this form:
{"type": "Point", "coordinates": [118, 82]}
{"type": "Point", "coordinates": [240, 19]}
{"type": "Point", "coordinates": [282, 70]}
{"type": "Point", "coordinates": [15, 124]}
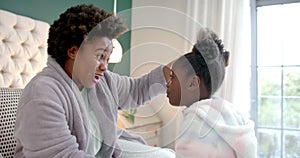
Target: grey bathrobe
{"type": "Point", "coordinates": [52, 119]}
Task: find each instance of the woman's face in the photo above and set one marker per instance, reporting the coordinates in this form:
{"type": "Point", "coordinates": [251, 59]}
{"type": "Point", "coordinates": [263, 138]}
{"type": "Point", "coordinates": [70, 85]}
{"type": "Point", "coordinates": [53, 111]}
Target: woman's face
{"type": "Point", "coordinates": [91, 61]}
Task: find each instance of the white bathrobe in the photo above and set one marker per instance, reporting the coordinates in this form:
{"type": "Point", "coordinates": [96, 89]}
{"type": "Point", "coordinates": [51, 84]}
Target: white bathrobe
{"type": "Point", "coordinates": [212, 128]}
{"type": "Point", "coordinates": [52, 118]}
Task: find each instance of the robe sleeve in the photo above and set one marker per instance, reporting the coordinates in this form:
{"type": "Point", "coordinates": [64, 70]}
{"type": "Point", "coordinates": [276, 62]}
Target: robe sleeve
{"type": "Point", "coordinates": [132, 92]}
{"type": "Point", "coordinates": [42, 127]}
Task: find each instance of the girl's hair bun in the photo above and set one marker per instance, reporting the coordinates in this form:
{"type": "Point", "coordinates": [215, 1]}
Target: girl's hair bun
{"type": "Point", "coordinates": [208, 49]}
{"type": "Point", "coordinates": [210, 46]}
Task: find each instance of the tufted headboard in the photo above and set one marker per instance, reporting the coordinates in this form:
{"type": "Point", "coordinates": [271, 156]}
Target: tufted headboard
{"type": "Point", "coordinates": [23, 48]}
{"type": "Point", "coordinates": [23, 53]}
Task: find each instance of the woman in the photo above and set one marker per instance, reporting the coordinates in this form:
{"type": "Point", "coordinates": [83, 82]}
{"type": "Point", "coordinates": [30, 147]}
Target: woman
{"type": "Point", "coordinates": [211, 126]}
{"type": "Point", "coordinates": [70, 108]}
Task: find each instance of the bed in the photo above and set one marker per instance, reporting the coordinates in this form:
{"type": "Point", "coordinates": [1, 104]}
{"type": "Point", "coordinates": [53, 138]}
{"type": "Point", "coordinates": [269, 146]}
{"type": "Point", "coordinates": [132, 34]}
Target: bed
{"type": "Point", "coordinates": [23, 53]}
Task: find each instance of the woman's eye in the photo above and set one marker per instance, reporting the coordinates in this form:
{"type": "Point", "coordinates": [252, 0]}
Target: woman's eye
{"type": "Point", "coordinates": [100, 56]}
{"type": "Point", "coordinates": [108, 50]}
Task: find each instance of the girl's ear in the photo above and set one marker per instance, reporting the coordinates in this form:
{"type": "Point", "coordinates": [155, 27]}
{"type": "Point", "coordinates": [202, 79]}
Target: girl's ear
{"type": "Point", "coordinates": [72, 52]}
{"type": "Point", "coordinates": [194, 83]}
{"type": "Point", "coordinates": [227, 62]}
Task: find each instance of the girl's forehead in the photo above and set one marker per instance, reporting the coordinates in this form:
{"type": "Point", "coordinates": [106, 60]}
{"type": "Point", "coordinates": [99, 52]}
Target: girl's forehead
{"type": "Point", "coordinates": [178, 71]}
{"type": "Point", "coordinates": [182, 68]}
{"type": "Point", "coordinates": [179, 65]}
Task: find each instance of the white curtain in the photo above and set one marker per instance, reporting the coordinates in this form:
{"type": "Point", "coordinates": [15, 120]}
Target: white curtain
{"type": "Point", "coordinates": [230, 19]}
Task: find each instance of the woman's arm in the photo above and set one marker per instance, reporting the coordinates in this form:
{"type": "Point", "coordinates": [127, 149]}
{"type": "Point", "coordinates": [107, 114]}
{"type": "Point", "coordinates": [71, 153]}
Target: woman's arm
{"type": "Point", "coordinates": [131, 92]}
{"type": "Point", "coordinates": [43, 125]}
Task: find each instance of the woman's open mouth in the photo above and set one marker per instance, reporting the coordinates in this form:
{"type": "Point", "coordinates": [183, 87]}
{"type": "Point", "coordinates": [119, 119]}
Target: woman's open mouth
{"type": "Point", "coordinates": [96, 78]}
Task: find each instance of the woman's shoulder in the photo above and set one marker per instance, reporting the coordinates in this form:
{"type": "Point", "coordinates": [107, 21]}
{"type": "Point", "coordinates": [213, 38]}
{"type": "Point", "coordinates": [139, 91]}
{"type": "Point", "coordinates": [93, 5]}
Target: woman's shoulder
{"type": "Point", "coordinates": [45, 84]}
{"type": "Point", "coordinates": [41, 82]}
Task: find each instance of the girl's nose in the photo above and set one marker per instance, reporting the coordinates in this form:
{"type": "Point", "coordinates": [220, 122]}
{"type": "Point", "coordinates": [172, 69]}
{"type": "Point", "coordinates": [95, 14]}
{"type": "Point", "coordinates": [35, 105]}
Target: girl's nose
{"type": "Point", "coordinates": [169, 82]}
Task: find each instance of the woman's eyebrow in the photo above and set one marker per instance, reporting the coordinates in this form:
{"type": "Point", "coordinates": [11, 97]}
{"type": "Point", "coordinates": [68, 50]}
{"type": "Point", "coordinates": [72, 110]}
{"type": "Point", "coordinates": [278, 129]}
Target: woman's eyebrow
{"type": "Point", "coordinates": [100, 49]}
{"type": "Point", "coordinates": [106, 48]}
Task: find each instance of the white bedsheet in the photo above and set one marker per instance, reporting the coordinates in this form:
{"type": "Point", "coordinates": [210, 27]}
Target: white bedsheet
{"type": "Point", "coordinates": [137, 150]}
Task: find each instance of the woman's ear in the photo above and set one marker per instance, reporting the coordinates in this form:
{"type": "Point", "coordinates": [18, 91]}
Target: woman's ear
{"type": "Point", "coordinates": [194, 83]}
{"type": "Point", "coordinates": [72, 52]}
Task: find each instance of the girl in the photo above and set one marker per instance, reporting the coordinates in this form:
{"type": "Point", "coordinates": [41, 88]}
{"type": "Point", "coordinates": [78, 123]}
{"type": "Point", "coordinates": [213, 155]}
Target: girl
{"type": "Point", "coordinates": [211, 126]}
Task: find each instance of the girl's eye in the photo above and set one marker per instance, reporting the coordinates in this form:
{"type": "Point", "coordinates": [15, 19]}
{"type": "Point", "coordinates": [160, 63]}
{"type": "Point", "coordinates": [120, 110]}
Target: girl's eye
{"type": "Point", "coordinates": [171, 75]}
{"type": "Point", "coordinates": [171, 78]}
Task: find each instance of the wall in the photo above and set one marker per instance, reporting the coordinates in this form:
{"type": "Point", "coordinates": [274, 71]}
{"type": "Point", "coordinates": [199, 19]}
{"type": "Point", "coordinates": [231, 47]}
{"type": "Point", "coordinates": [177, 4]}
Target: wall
{"type": "Point", "coordinates": [158, 36]}
{"type": "Point", "coordinates": [49, 10]}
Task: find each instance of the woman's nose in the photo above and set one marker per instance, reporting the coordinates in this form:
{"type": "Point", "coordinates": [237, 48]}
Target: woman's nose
{"type": "Point", "coordinates": [103, 66]}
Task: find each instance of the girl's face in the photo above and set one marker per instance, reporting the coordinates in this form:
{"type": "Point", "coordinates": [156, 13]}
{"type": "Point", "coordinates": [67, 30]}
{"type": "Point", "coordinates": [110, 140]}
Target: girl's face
{"type": "Point", "coordinates": [182, 87]}
{"type": "Point", "coordinates": [91, 61]}
{"type": "Point", "coordinates": [173, 89]}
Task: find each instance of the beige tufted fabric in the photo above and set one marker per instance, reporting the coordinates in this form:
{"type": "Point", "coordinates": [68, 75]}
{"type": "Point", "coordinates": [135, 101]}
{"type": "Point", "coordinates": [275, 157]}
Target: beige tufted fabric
{"type": "Point", "coordinates": [23, 48]}
{"type": "Point", "coordinates": [23, 53]}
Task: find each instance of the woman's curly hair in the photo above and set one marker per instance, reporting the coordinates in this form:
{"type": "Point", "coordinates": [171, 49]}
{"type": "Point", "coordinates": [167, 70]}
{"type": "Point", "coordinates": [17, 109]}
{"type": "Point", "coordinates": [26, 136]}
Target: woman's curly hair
{"type": "Point", "coordinates": [74, 25]}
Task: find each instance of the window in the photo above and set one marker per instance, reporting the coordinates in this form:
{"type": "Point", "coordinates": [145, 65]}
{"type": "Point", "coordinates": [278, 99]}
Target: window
{"type": "Point", "coordinates": [276, 77]}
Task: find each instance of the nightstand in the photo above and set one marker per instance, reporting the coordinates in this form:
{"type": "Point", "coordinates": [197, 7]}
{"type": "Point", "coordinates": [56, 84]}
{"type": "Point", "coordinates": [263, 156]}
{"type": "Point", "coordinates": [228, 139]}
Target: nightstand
{"type": "Point", "coordinates": [146, 124]}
